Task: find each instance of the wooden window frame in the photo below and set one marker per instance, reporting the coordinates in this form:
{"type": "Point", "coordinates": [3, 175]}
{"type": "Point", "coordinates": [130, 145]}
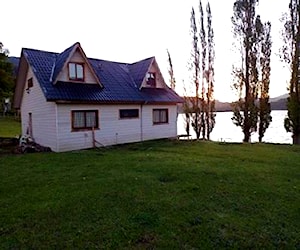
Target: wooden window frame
{"type": "Point", "coordinates": [76, 78]}
{"type": "Point", "coordinates": [84, 128]}
{"type": "Point", "coordinates": [128, 117]}
{"type": "Point", "coordinates": [160, 120]}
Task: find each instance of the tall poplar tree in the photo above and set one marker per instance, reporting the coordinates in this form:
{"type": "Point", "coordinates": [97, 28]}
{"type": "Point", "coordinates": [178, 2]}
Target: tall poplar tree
{"type": "Point", "coordinates": [202, 35]}
{"type": "Point", "coordinates": [171, 72]}
{"type": "Point", "coordinates": [209, 75]}
{"type": "Point", "coordinates": [291, 54]}
{"type": "Point", "coordinates": [202, 62]}
{"type": "Point", "coordinates": [195, 68]}
{"type": "Point", "coordinates": [245, 30]}
{"type": "Point", "coordinates": [265, 117]}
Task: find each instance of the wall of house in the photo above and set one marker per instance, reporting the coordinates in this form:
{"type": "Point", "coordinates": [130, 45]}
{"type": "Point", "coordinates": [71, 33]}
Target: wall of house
{"type": "Point", "coordinates": [157, 131]}
{"type": "Point", "coordinates": [88, 76]}
{"type": "Point", "coordinates": [43, 114]}
{"type": "Point", "coordinates": [113, 130]}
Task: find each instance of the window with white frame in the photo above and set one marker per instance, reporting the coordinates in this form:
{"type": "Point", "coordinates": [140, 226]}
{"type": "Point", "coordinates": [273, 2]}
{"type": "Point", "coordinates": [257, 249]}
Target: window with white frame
{"type": "Point", "coordinates": [76, 71]}
{"type": "Point", "coordinates": [151, 79]}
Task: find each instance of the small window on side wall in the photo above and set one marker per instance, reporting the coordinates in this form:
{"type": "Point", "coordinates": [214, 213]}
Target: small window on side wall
{"type": "Point", "coordinates": [129, 113]}
{"type": "Point", "coordinates": [84, 120]}
{"type": "Point", "coordinates": [30, 83]}
{"type": "Point", "coordinates": [76, 71]}
{"type": "Point", "coordinates": [160, 116]}
{"type": "Point", "coordinates": [151, 79]}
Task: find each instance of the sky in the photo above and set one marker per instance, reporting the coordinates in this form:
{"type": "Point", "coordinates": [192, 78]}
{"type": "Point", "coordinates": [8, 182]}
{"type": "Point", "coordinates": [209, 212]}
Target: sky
{"type": "Point", "coordinates": [131, 30]}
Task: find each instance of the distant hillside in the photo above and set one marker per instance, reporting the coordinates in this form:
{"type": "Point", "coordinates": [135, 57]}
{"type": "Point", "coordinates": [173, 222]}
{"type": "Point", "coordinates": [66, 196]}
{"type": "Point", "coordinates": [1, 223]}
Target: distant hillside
{"type": "Point", "coordinates": [277, 103]}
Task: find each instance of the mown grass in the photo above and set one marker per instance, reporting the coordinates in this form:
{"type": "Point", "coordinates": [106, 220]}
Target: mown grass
{"type": "Point", "coordinates": [153, 195]}
{"type": "Point", "coordinates": [9, 127]}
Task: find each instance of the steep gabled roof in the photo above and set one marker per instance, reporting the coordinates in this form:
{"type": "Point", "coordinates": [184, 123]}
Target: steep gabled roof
{"type": "Point", "coordinates": [139, 69]}
{"type": "Point", "coordinates": [120, 82]}
{"type": "Point", "coordinates": [60, 61]}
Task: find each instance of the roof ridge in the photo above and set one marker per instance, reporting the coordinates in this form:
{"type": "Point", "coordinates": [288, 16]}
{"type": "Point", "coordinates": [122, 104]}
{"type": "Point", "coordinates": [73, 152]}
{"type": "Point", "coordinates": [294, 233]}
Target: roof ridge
{"type": "Point", "coordinates": [148, 58]}
{"type": "Point", "coordinates": [39, 50]}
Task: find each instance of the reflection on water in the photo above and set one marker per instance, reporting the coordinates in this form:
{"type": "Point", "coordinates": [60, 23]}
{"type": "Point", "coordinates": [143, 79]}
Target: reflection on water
{"type": "Point", "coordinates": [225, 130]}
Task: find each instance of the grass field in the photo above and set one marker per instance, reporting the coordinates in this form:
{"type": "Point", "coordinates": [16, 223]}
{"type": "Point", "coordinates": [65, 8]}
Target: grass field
{"type": "Point", "coordinates": [9, 127]}
{"type": "Point", "coordinates": [153, 195]}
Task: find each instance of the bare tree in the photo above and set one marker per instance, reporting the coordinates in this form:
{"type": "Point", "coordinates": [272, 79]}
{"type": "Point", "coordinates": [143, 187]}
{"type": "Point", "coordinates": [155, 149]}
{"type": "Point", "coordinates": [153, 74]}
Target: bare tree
{"type": "Point", "coordinates": [209, 75]}
{"type": "Point", "coordinates": [195, 68]}
{"type": "Point", "coordinates": [171, 72]}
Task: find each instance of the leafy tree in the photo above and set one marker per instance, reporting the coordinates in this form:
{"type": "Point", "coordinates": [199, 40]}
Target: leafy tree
{"type": "Point", "coordinates": [6, 75]}
{"type": "Point", "coordinates": [291, 55]}
{"type": "Point", "coordinates": [265, 117]}
{"type": "Point", "coordinates": [246, 29]}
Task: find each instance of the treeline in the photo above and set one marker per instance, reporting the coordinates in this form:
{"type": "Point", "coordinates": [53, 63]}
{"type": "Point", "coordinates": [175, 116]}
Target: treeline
{"type": "Point", "coordinates": [251, 81]}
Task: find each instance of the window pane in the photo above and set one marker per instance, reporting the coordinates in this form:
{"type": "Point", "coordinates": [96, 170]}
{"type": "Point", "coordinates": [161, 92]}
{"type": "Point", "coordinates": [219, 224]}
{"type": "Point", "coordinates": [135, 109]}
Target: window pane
{"type": "Point", "coordinates": [155, 116]}
{"type": "Point", "coordinates": [79, 68]}
{"type": "Point", "coordinates": [150, 79]}
{"type": "Point", "coordinates": [163, 116]}
{"type": "Point", "coordinates": [91, 120]}
{"type": "Point", "coordinates": [129, 113]}
{"type": "Point", "coordinates": [72, 72]}
{"type": "Point", "coordinates": [78, 120]}
{"type": "Point", "coordinates": [160, 116]}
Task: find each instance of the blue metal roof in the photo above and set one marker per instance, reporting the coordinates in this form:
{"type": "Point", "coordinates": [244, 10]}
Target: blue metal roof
{"type": "Point", "coordinates": [121, 82]}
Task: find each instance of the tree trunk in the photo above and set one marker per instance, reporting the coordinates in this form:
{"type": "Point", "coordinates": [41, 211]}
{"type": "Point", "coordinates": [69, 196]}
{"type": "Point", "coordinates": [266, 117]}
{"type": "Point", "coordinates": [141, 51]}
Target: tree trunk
{"type": "Point", "coordinates": [296, 139]}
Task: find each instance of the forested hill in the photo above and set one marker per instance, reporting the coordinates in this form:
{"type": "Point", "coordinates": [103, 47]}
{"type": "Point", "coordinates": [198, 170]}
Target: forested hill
{"type": "Point", "coordinates": [277, 103]}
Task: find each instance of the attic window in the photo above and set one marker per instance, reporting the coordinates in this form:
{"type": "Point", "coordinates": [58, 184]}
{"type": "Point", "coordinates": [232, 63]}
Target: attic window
{"type": "Point", "coordinates": [76, 71]}
{"type": "Point", "coordinates": [29, 83]}
{"type": "Point", "coordinates": [150, 79]}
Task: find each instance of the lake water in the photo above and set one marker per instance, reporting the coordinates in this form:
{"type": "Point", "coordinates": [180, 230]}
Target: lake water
{"type": "Point", "coordinates": [225, 130]}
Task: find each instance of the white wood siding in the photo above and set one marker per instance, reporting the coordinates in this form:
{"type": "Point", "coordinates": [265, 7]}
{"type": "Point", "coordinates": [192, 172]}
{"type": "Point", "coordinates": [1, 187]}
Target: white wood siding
{"type": "Point", "coordinates": [77, 57]}
{"type": "Point", "coordinates": [43, 114]}
{"type": "Point", "coordinates": [113, 130]}
{"type": "Point", "coordinates": [156, 131]}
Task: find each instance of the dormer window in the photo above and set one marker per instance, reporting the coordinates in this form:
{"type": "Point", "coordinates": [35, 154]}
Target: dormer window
{"type": "Point", "coordinates": [76, 71]}
{"type": "Point", "coordinates": [150, 79]}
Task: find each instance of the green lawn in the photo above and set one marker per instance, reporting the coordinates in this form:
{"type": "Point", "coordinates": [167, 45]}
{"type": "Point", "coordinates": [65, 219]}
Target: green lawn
{"type": "Point", "coordinates": [9, 127]}
{"type": "Point", "coordinates": [153, 195]}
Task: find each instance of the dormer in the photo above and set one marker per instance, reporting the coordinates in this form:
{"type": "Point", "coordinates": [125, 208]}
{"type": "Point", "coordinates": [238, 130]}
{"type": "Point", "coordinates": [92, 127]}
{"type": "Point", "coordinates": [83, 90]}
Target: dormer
{"type": "Point", "coordinates": [153, 77]}
{"type": "Point", "coordinates": [75, 68]}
